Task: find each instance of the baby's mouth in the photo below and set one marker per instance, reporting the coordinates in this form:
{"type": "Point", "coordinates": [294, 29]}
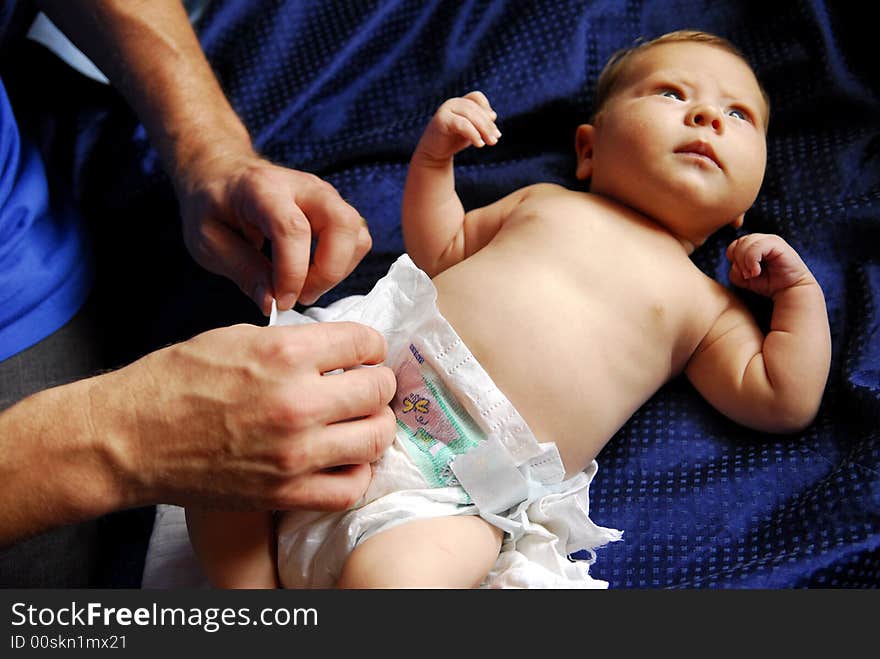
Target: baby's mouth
{"type": "Point", "coordinates": [702, 151]}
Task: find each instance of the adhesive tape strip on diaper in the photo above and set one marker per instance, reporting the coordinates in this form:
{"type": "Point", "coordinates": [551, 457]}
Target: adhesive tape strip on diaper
{"type": "Point", "coordinates": [490, 477]}
{"type": "Point", "coordinates": [546, 467]}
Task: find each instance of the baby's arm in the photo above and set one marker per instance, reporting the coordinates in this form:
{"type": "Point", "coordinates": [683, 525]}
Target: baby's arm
{"type": "Point", "coordinates": [235, 549]}
{"type": "Point", "coordinates": [436, 230]}
{"type": "Point", "coordinates": [775, 382]}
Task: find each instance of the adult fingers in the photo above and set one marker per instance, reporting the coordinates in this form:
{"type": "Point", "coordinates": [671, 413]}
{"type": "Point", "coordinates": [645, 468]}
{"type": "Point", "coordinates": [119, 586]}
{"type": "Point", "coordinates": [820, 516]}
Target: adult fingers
{"type": "Point", "coordinates": [273, 210]}
{"type": "Point", "coordinates": [355, 393]}
{"type": "Point", "coordinates": [291, 247]}
{"type": "Point", "coordinates": [335, 489]}
{"type": "Point", "coordinates": [223, 251]}
{"type": "Point", "coordinates": [327, 346]}
{"type": "Point", "coordinates": [324, 254]}
{"type": "Point", "coordinates": [357, 441]}
{"type": "Point", "coordinates": [362, 248]}
{"type": "Point", "coordinates": [254, 235]}
{"type": "Point", "coordinates": [339, 229]}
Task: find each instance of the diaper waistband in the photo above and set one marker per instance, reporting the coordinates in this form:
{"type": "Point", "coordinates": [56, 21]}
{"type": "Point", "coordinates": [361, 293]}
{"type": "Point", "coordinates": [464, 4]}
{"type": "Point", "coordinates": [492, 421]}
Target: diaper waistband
{"type": "Point", "coordinates": [453, 361]}
{"type": "Point", "coordinates": [510, 464]}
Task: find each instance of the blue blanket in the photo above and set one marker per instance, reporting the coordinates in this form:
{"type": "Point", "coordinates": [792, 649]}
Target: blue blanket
{"type": "Point", "coordinates": [344, 89]}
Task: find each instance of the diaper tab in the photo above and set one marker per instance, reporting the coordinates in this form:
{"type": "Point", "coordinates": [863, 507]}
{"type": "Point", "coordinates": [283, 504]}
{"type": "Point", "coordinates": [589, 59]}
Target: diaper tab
{"type": "Point", "coordinates": [546, 467]}
{"type": "Point", "coordinates": [490, 477]}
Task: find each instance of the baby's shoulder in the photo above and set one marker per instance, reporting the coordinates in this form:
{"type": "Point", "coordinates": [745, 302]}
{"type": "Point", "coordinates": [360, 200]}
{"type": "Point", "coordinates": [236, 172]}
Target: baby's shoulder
{"type": "Point", "coordinates": [544, 190]}
{"type": "Point", "coordinates": [711, 300]}
{"type": "Point", "coordinates": [542, 194]}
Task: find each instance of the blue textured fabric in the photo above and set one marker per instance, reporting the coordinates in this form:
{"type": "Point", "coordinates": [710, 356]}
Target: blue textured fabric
{"type": "Point", "coordinates": [344, 89]}
{"type": "Point", "coordinates": [45, 273]}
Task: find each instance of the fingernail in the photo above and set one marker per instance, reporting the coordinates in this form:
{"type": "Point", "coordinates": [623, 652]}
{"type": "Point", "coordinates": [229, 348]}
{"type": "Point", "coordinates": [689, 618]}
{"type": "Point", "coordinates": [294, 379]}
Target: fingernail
{"type": "Point", "coordinates": [308, 298]}
{"type": "Point", "coordinates": [286, 302]}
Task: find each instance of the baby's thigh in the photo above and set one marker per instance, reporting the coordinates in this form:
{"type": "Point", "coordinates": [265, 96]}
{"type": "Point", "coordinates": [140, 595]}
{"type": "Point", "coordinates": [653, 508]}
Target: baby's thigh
{"type": "Point", "coordinates": [440, 552]}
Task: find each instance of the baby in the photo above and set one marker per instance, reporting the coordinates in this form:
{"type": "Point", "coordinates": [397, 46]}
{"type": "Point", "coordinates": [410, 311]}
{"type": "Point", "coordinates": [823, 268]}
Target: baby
{"type": "Point", "coordinates": [570, 309]}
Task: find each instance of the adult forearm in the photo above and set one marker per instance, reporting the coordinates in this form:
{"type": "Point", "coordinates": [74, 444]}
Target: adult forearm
{"type": "Point", "coordinates": [149, 52]}
{"type": "Point", "coordinates": [54, 469]}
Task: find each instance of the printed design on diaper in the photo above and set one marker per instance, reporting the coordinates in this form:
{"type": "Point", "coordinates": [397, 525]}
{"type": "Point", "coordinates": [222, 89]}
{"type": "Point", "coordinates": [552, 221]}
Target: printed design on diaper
{"type": "Point", "coordinates": [434, 427]}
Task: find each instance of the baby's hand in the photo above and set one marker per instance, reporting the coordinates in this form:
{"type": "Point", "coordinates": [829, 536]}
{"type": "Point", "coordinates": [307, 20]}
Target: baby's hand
{"type": "Point", "coordinates": [458, 123]}
{"type": "Point", "coordinates": [766, 264]}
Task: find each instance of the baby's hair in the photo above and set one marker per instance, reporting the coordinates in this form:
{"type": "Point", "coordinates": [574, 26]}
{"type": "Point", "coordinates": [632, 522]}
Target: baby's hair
{"type": "Point", "coordinates": [618, 61]}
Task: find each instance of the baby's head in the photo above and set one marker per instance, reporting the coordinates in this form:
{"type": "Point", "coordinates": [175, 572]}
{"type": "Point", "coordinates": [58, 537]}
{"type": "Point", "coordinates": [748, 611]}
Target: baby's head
{"type": "Point", "coordinates": [678, 133]}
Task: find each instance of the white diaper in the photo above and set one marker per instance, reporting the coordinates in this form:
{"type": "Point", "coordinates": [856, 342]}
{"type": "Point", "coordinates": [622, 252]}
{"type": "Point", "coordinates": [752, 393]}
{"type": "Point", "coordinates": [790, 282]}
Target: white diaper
{"type": "Point", "coordinates": [461, 449]}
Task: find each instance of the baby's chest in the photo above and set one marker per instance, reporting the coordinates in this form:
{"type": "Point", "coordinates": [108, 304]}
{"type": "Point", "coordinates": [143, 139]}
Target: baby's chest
{"type": "Point", "coordinates": [606, 267]}
{"type": "Point", "coordinates": [634, 293]}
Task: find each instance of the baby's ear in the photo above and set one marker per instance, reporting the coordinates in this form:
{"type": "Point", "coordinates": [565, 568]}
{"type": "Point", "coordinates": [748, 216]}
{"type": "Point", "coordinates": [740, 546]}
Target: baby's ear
{"type": "Point", "coordinates": [583, 146]}
{"type": "Point", "coordinates": [738, 222]}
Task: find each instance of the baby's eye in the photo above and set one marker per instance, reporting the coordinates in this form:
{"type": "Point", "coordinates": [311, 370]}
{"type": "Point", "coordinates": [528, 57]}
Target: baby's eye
{"type": "Point", "coordinates": [671, 93]}
{"type": "Point", "coordinates": [737, 114]}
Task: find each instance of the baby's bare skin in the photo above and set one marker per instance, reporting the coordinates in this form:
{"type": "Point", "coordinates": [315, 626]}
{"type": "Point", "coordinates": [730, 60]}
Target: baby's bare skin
{"type": "Point", "coordinates": [579, 309]}
{"type": "Point", "coordinates": [581, 305]}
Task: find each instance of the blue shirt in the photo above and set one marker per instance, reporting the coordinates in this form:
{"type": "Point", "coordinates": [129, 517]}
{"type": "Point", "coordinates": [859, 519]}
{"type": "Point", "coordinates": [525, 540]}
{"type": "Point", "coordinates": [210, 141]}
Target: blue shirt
{"type": "Point", "coordinates": [45, 266]}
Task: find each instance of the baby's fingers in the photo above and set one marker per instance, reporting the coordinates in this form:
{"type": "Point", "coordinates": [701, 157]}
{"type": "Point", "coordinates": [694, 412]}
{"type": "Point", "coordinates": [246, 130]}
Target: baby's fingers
{"type": "Point", "coordinates": [480, 120]}
{"type": "Point", "coordinates": [736, 277]}
{"type": "Point", "coordinates": [746, 253]}
{"type": "Point", "coordinates": [464, 128]}
{"type": "Point", "coordinates": [480, 99]}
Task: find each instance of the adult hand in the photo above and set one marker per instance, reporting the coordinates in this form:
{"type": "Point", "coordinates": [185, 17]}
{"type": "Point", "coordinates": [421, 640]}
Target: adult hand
{"type": "Point", "coordinates": [242, 418]}
{"type": "Point", "coordinates": [232, 204]}
{"type": "Point", "coordinates": [230, 198]}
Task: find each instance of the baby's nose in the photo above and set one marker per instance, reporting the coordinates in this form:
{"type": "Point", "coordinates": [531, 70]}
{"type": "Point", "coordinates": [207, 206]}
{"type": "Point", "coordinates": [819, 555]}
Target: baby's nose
{"type": "Point", "coordinates": [706, 115]}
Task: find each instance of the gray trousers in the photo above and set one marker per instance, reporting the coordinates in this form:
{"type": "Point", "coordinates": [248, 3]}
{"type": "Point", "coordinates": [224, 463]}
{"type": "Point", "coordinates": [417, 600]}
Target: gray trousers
{"type": "Point", "coordinates": [107, 552]}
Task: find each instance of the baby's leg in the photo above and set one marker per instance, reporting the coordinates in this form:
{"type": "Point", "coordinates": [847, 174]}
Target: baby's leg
{"type": "Point", "coordinates": [235, 549]}
{"type": "Point", "coordinates": [441, 552]}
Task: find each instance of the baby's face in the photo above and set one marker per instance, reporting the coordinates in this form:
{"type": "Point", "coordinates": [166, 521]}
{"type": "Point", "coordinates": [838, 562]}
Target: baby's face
{"type": "Point", "coordinates": [682, 138]}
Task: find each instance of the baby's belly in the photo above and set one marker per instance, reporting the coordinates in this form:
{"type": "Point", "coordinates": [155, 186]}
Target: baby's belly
{"type": "Point", "coordinates": [574, 373]}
